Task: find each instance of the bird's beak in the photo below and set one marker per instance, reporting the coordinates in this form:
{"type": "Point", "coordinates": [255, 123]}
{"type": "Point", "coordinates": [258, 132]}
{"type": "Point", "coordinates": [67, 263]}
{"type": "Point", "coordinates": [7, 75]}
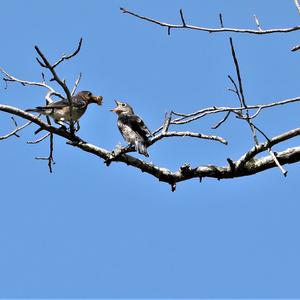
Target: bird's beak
{"type": "Point", "coordinates": [97, 99]}
{"type": "Point", "coordinates": [116, 109]}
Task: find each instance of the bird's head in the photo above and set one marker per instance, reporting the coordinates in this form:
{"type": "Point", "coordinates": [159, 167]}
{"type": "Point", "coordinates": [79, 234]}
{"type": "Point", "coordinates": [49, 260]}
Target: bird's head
{"type": "Point", "coordinates": [90, 98]}
{"type": "Point", "coordinates": [122, 108]}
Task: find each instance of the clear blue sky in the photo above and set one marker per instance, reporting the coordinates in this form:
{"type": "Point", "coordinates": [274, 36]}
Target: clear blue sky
{"type": "Point", "coordinates": [89, 231]}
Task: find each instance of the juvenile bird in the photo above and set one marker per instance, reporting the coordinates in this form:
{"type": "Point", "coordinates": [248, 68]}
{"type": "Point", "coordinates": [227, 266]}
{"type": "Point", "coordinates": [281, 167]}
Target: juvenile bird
{"type": "Point", "coordinates": [132, 127]}
{"type": "Point", "coordinates": [60, 110]}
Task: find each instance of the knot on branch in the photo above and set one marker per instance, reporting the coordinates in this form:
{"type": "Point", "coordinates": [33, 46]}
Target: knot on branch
{"type": "Point", "coordinates": [117, 152]}
{"type": "Point", "coordinates": [185, 169]}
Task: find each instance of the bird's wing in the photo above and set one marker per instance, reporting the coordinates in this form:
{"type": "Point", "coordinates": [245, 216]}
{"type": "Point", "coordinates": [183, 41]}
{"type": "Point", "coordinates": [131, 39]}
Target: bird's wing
{"type": "Point", "coordinates": [77, 101]}
{"type": "Point", "coordinates": [59, 104]}
{"type": "Point", "coordinates": [138, 125]}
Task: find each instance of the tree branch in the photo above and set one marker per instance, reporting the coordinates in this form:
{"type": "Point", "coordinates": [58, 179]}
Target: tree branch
{"type": "Point", "coordinates": [297, 5]}
{"type": "Point", "coordinates": [66, 57]}
{"type": "Point", "coordinates": [14, 132]}
{"type": "Point", "coordinates": [206, 29]}
{"type": "Point", "coordinates": [245, 166]}
{"type": "Point", "coordinates": [62, 83]}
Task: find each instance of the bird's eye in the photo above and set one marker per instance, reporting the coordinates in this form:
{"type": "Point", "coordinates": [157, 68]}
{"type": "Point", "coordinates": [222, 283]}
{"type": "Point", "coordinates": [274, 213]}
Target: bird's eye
{"type": "Point", "coordinates": [123, 104]}
{"type": "Point", "coordinates": [90, 94]}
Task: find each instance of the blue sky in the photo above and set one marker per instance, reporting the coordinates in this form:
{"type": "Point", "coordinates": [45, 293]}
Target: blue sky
{"type": "Point", "coordinates": [88, 231]}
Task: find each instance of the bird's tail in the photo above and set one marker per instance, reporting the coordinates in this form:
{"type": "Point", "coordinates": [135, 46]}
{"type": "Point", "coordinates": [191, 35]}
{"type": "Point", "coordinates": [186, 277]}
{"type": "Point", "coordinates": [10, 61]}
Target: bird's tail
{"type": "Point", "coordinates": [41, 110]}
{"type": "Point", "coordinates": [31, 110]}
{"type": "Point", "coordinates": [38, 110]}
{"type": "Point", "coordinates": [141, 148]}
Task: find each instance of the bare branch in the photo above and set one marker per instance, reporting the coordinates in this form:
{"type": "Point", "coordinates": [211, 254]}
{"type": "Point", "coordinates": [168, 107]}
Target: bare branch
{"type": "Point", "coordinates": [263, 147]}
{"type": "Point", "coordinates": [49, 158]}
{"type": "Point", "coordinates": [167, 121]}
{"type": "Point", "coordinates": [297, 5]}
{"type": "Point", "coordinates": [60, 82]}
{"type": "Point", "coordinates": [17, 129]}
{"type": "Point", "coordinates": [213, 110]}
{"type": "Point", "coordinates": [66, 57]}
{"type": "Point", "coordinates": [247, 118]}
{"type": "Point", "coordinates": [210, 30]}
{"type": "Point", "coordinates": [34, 119]}
{"type": "Point", "coordinates": [257, 23]}
{"type": "Point", "coordinates": [296, 48]}
{"type": "Point", "coordinates": [39, 140]}
{"type": "Point", "coordinates": [118, 151]}
{"type": "Point", "coordinates": [182, 18]}
{"type": "Point", "coordinates": [284, 172]}
{"type": "Point", "coordinates": [26, 82]}
{"type": "Point", "coordinates": [221, 20]}
{"type": "Point", "coordinates": [245, 166]}
{"type": "Point", "coordinates": [187, 118]}
{"type": "Point", "coordinates": [188, 134]}
{"type": "Point", "coordinates": [221, 122]}
{"type": "Point", "coordinates": [76, 84]}
{"type": "Point", "coordinates": [237, 68]}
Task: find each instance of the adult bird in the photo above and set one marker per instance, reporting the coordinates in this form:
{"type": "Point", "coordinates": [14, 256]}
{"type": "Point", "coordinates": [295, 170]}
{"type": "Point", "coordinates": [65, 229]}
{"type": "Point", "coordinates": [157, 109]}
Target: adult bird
{"type": "Point", "coordinates": [60, 110]}
{"type": "Point", "coordinates": [132, 127]}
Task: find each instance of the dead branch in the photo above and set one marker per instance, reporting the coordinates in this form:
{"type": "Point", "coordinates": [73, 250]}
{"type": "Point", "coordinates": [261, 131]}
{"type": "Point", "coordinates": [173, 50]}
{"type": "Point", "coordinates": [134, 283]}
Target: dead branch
{"type": "Point", "coordinates": [257, 23]}
{"type": "Point", "coordinates": [297, 5]}
{"type": "Point", "coordinates": [247, 118]}
{"type": "Point", "coordinates": [187, 118]}
{"type": "Point", "coordinates": [9, 78]}
{"type": "Point", "coordinates": [188, 134]}
{"type": "Point", "coordinates": [66, 57]}
{"type": "Point", "coordinates": [170, 26]}
{"type": "Point", "coordinates": [245, 166]}
{"type": "Point", "coordinates": [17, 129]}
{"type": "Point", "coordinates": [56, 78]}
{"type": "Point", "coordinates": [39, 140]}
{"type": "Point", "coordinates": [76, 84]}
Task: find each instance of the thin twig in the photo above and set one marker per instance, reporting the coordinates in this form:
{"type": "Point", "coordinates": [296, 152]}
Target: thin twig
{"type": "Point", "coordinates": [235, 90]}
{"type": "Point", "coordinates": [247, 118]}
{"type": "Point", "coordinates": [26, 82]}
{"type": "Point", "coordinates": [297, 5]}
{"type": "Point", "coordinates": [39, 140]}
{"type": "Point", "coordinates": [221, 20]}
{"type": "Point", "coordinates": [264, 146]}
{"type": "Point", "coordinates": [66, 57]}
{"type": "Point", "coordinates": [17, 129]}
{"type": "Point", "coordinates": [187, 118]}
{"type": "Point", "coordinates": [237, 68]}
{"type": "Point", "coordinates": [76, 84]}
{"type": "Point", "coordinates": [167, 121]}
{"type": "Point", "coordinates": [284, 172]}
{"type": "Point", "coordinates": [222, 121]}
{"type": "Point", "coordinates": [257, 23]}
{"type": "Point", "coordinates": [182, 18]}
{"type": "Point", "coordinates": [215, 109]}
{"type": "Point", "coordinates": [51, 160]}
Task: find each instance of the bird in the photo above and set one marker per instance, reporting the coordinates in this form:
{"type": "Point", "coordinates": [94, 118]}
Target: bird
{"type": "Point", "coordinates": [60, 110]}
{"type": "Point", "coordinates": [132, 127]}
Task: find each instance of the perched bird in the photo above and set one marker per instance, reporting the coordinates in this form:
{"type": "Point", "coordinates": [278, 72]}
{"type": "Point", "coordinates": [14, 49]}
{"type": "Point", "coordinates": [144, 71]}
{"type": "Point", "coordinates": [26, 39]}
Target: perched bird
{"type": "Point", "coordinates": [60, 110]}
{"type": "Point", "coordinates": [132, 127]}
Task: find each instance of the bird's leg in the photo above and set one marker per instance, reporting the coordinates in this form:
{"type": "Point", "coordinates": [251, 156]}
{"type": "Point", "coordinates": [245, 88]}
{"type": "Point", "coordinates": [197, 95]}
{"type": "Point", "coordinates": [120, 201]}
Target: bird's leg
{"type": "Point", "coordinates": [115, 153]}
{"type": "Point", "coordinates": [62, 125]}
